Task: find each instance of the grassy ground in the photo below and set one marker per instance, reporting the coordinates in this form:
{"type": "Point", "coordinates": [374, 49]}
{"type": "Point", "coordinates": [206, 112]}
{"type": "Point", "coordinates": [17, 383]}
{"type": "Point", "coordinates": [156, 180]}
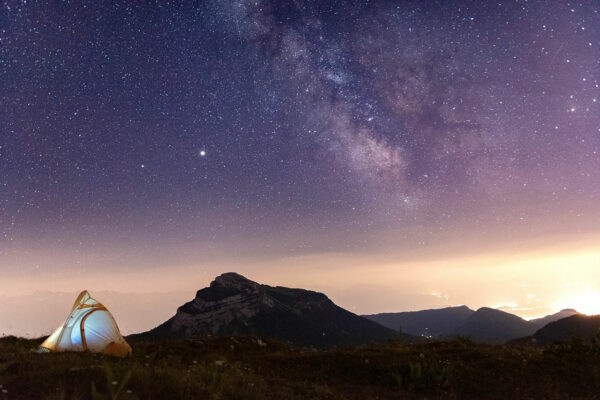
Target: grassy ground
{"type": "Point", "coordinates": [246, 368]}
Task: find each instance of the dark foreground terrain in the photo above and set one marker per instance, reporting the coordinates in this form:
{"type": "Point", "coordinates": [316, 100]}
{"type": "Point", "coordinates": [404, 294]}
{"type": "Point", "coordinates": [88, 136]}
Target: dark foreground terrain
{"type": "Point", "coordinates": [249, 368]}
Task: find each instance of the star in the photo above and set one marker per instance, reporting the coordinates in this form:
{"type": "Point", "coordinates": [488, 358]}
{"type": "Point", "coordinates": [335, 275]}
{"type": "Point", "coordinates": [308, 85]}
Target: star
{"type": "Point", "coordinates": [393, 115]}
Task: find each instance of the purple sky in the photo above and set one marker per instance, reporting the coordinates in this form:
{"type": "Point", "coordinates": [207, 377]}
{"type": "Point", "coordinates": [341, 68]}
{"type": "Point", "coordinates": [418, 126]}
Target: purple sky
{"type": "Point", "coordinates": [349, 146]}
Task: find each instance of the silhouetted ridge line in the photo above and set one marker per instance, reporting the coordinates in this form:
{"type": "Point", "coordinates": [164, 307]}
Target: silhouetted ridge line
{"type": "Point", "coordinates": [235, 305]}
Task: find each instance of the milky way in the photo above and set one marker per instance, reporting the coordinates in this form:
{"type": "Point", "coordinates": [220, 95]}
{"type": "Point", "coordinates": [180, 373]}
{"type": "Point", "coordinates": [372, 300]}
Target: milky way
{"type": "Point", "coordinates": [292, 127]}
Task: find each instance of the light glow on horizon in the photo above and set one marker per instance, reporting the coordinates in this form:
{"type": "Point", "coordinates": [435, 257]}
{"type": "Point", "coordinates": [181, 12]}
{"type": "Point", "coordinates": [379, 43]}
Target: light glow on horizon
{"type": "Point", "coordinates": [586, 301]}
{"type": "Point", "coordinates": [364, 283]}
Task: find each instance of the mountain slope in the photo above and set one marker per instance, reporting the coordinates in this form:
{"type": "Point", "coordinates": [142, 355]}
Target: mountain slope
{"type": "Point", "coordinates": [428, 323]}
{"type": "Point", "coordinates": [542, 322]}
{"type": "Point", "coordinates": [583, 326]}
{"type": "Point", "coordinates": [494, 326]}
{"type": "Point", "coordinates": [234, 305]}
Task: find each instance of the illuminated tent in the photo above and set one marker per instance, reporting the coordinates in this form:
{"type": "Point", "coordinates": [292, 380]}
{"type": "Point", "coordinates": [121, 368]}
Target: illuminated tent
{"type": "Point", "coordinates": [90, 326]}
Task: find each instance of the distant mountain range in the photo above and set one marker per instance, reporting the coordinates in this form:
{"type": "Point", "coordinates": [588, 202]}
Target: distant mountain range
{"type": "Point", "coordinates": [542, 322]}
{"type": "Point", "coordinates": [486, 325]}
{"type": "Point", "coordinates": [489, 325]}
{"type": "Point", "coordinates": [583, 326]}
{"type": "Point", "coordinates": [234, 305]}
{"type": "Point", "coordinates": [426, 323]}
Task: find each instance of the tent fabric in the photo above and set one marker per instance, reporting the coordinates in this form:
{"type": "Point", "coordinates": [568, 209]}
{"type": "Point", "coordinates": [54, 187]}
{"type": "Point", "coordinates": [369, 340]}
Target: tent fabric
{"type": "Point", "coordinates": [89, 327]}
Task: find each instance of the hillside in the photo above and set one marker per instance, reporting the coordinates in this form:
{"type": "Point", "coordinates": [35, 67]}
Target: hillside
{"type": "Point", "coordinates": [245, 369]}
{"type": "Point", "coordinates": [489, 325]}
{"type": "Point", "coordinates": [583, 326]}
{"type": "Point", "coordinates": [542, 322]}
{"type": "Point", "coordinates": [234, 305]}
{"type": "Point", "coordinates": [485, 325]}
{"type": "Point", "coordinates": [427, 323]}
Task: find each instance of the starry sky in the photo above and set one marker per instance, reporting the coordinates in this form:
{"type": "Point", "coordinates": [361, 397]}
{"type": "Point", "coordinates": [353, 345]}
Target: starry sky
{"type": "Point", "coordinates": [396, 154]}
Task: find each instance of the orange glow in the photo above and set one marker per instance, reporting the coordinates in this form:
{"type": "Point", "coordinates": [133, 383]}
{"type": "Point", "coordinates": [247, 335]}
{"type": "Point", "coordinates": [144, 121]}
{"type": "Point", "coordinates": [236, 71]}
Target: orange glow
{"type": "Point", "coordinates": [531, 283]}
{"type": "Point", "coordinates": [586, 301]}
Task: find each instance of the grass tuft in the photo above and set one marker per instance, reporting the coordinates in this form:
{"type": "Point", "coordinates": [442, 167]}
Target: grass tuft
{"type": "Point", "coordinates": [240, 368]}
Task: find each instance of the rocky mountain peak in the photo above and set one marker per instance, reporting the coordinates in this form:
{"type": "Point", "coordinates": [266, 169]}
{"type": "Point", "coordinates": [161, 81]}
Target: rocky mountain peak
{"type": "Point", "coordinates": [232, 280]}
{"type": "Point", "coordinates": [234, 305]}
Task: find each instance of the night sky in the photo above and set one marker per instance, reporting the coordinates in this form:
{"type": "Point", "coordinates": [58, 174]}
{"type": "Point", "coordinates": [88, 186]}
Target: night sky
{"type": "Point", "coordinates": [306, 143]}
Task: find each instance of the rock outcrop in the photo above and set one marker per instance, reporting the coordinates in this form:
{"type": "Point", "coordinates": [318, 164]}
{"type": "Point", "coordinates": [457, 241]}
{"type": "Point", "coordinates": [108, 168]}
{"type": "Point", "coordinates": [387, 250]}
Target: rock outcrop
{"type": "Point", "coordinates": [234, 305]}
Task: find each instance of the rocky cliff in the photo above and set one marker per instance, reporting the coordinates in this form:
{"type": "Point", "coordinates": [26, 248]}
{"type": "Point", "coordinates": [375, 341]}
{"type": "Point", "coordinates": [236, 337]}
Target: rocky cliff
{"type": "Point", "coordinates": [234, 305]}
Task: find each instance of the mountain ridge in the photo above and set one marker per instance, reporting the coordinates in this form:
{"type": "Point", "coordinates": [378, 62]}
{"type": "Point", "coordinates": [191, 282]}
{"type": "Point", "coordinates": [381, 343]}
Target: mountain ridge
{"type": "Point", "coordinates": [543, 321]}
{"type": "Point", "coordinates": [235, 305]}
{"type": "Point", "coordinates": [427, 323]}
{"type": "Point", "coordinates": [586, 327]}
{"type": "Point", "coordinates": [486, 324]}
{"type": "Point", "coordinates": [490, 325]}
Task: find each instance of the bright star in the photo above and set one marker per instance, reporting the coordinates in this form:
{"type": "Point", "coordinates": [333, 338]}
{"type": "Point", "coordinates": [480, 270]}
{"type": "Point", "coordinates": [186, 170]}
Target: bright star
{"type": "Point", "coordinates": [202, 153]}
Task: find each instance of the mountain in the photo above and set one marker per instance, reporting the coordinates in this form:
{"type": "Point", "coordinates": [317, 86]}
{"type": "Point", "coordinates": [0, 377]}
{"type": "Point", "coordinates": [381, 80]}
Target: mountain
{"type": "Point", "coordinates": [484, 325]}
{"type": "Point", "coordinates": [494, 326]}
{"type": "Point", "coordinates": [427, 323]}
{"type": "Point", "coordinates": [579, 325]}
{"type": "Point", "coordinates": [542, 322]}
{"type": "Point", "coordinates": [234, 305]}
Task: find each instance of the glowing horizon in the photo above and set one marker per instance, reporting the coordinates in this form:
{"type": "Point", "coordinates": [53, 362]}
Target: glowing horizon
{"type": "Point", "coordinates": [409, 286]}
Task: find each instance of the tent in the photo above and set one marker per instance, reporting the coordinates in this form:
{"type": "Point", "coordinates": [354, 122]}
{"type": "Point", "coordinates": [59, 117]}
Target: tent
{"type": "Point", "coordinates": [89, 327]}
